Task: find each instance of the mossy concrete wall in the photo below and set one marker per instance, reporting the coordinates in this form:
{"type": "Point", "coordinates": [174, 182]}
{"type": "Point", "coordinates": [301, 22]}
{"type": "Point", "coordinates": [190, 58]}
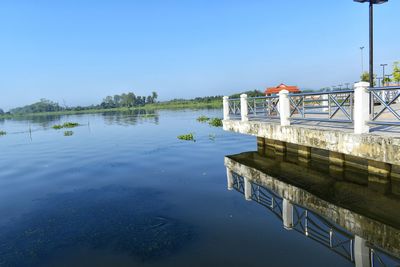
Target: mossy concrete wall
{"type": "Point", "coordinates": [370, 146]}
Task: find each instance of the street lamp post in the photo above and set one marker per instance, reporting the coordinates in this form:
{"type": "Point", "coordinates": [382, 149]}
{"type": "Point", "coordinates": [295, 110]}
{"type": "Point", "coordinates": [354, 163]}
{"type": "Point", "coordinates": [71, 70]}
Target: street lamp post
{"type": "Point", "coordinates": [362, 59]}
{"type": "Point", "coordinates": [371, 35]}
{"type": "Point", "coordinates": [383, 74]}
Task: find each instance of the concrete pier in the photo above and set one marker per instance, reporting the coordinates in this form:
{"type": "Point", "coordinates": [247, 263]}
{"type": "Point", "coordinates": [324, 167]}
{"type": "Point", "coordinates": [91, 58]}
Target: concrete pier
{"type": "Point", "coordinates": [381, 148]}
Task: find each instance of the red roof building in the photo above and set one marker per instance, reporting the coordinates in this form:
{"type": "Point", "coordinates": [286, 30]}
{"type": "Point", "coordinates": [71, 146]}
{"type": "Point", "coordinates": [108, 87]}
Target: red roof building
{"type": "Point", "coordinates": [276, 90]}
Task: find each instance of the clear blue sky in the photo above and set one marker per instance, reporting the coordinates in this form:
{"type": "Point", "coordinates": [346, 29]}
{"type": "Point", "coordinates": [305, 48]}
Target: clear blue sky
{"type": "Point", "coordinates": [82, 50]}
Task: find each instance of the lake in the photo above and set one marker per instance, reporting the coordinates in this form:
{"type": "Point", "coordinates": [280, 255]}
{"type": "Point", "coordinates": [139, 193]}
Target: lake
{"type": "Point", "coordinates": [124, 191]}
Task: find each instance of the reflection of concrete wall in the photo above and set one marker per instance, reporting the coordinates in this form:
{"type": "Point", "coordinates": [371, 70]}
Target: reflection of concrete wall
{"type": "Point", "coordinates": [379, 176]}
{"type": "Point", "coordinates": [377, 233]}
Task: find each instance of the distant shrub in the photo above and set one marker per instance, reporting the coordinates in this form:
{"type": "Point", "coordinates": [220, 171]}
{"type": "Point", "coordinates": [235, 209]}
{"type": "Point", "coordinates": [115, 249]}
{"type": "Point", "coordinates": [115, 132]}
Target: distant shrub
{"type": "Point", "coordinates": [2, 133]}
{"type": "Point", "coordinates": [186, 137]}
{"type": "Point", "coordinates": [216, 122]}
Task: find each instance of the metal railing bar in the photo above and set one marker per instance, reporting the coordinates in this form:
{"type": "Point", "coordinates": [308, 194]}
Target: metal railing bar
{"type": "Point", "coordinates": [321, 120]}
{"type": "Point", "coordinates": [384, 88]}
{"type": "Point", "coordinates": [388, 123]}
{"type": "Point", "coordinates": [322, 93]}
{"type": "Point", "coordinates": [386, 107]}
{"type": "Point", "coordinates": [339, 106]}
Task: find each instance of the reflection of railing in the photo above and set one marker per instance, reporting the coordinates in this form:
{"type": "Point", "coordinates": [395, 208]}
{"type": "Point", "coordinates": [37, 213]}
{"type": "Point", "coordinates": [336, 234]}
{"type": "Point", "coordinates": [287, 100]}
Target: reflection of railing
{"type": "Point", "coordinates": [380, 258]}
{"type": "Point", "coordinates": [383, 100]}
{"type": "Point", "coordinates": [322, 106]}
{"type": "Point", "coordinates": [314, 226]}
{"type": "Point", "coordinates": [263, 107]}
{"type": "Point", "coordinates": [322, 231]}
{"type": "Point", "coordinates": [238, 183]}
{"type": "Point", "coordinates": [267, 198]}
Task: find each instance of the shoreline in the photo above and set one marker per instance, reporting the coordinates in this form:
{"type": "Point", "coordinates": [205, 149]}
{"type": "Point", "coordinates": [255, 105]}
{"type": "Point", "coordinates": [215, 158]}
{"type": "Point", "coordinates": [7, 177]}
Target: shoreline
{"type": "Point", "coordinates": [158, 106]}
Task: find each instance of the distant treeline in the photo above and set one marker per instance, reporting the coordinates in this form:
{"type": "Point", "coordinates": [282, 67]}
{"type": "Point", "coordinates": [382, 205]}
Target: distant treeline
{"type": "Point", "coordinates": [125, 100]}
{"type": "Point", "coordinates": [128, 100]}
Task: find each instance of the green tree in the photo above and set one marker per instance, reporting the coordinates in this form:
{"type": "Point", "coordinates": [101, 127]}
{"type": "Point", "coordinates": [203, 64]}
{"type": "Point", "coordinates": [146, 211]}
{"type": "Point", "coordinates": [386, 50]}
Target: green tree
{"type": "Point", "coordinates": [108, 102]}
{"type": "Point", "coordinates": [130, 99]}
{"type": "Point", "coordinates": [365, 77]}
{"type": "Point", "coordinates": [1, 111]}
{"type": "Point", "coordinates": [124, 100]}
{"type": "Point", "coordinates": [154, 96]}
{"type": "Point", "coordinates": [386, 81]}
{"type": "Point", "coordinates": [396, 72]}
{"type": "Point", "coordinates": [117, 100]}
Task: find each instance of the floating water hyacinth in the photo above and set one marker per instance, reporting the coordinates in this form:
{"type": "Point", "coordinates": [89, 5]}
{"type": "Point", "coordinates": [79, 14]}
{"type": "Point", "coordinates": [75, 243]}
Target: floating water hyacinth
{"type": "Point", "coordinates": [186, 137]}
{"type": "Point", "coordinates": [66, 125]}
{"type": "Point", "coordinates": [216, 122]}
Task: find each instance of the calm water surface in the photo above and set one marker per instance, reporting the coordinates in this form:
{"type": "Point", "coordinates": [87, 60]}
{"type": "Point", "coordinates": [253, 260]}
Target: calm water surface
{"type": "Point", "coordinates": [124, 191]}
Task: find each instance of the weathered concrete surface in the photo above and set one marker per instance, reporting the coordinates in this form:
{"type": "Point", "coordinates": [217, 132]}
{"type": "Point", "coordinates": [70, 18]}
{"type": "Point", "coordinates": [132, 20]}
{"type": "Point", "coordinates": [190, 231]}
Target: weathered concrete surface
{"type": "Point", "coordinates": [370, 146]}
{"type": "Point", "coordinates": [379, 234]}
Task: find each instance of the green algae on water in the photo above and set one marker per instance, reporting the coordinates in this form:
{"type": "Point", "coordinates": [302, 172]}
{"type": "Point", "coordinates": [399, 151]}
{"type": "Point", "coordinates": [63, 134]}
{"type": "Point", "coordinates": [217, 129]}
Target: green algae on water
{"type": "Point", "coordinates": [66, 125]}
{"type": "Point", "coordinates": [215, 122]}
{"type": "Point", "coordinates": [187, 137]}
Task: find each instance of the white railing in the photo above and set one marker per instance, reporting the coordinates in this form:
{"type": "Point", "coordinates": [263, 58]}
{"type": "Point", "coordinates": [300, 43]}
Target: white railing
{"type": "Point", "coordinates": [360, 107]}
{"type": "Point", "coordinates": [385, 108]}
{"type": "Point", "coordinates": [264, 107]}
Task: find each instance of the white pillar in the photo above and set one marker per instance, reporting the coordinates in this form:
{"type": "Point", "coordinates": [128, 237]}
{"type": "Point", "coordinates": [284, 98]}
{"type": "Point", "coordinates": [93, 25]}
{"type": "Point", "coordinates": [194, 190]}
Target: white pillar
{"type": "Point", "coordinates": [362, 253]}
{"type": "Point", "coordinates": [284, 107]}
{"type": "Point", "coordinates": [247, 189]}
{"type": "Point", "coordinates": [229, 179]}
{"type": "Point", "coordinates": [225, 101]}
{"type": "Point", "coordinates": [287, 214]}
{"type": "Point", "coordinates": [243, 107]}
{"type": "Point", "coordinates": [361, 108]}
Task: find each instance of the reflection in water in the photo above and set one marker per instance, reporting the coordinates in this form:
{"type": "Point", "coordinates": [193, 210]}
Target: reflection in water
{"type": "Point", "coordinates": [130, 117]}
{"type": "Point", "coordinates": [135, 222]}
{"type": "Point", "coordinates": [355, 222]}
{"type": "Point", "coordinates": [40, 120]}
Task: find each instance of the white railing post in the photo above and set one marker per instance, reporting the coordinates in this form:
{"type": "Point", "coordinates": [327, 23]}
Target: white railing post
{"type": "Point", "coordinates": [284, 107]}
{"type": "Point", "coordinates": [325, 103]}
{"type": "Point", "coordinates": [287, 214]}
{"type": "Point", "coordinates": [229, 179]}
{"type": "Point", "coordinates": [225, 101]}
{"type": "Point", "coordinates": [361, 108]}
{"type": "Point", "coordinates": [361, 253]}
{"type": "Point", "coordinates": [244, 112]}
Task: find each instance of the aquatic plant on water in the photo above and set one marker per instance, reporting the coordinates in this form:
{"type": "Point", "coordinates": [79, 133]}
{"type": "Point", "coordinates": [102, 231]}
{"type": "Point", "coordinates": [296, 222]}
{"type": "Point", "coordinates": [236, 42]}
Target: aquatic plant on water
{"type": "Point", "coordinates": [66, 125]}
{"type": "Point", "coordinates": [186, 137]}
{"type": "Point", "coordinates": [68, 133]}
{"type": "Point", "coordinates": [216, 122]}
{"type": "Point", "coordinates": [3, 133]}
{"type": "Point", "coordinates": [203, 118]}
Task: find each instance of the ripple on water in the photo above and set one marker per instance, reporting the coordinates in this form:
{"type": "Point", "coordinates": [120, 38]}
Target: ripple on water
{"type": "Point", "coordinates": [114, 218]}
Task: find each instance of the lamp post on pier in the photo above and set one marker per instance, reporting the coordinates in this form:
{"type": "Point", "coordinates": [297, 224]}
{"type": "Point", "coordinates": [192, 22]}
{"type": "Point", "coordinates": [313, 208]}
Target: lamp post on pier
{"type": "Point", "coordinates": [371, 35]}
